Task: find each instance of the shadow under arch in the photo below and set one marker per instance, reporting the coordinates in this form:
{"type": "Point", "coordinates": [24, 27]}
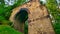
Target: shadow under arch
{"type": "Point", "coordinates": [22, 17]}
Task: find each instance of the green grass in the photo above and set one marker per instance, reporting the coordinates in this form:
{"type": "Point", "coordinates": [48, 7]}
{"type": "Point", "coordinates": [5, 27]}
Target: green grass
{"type": "Point", "coordinates": [4, 29]}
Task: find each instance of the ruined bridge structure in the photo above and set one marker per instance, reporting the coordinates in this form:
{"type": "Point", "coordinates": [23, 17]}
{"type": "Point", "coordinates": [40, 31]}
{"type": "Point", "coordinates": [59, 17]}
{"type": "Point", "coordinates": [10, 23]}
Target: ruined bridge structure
{"type": "Point", "coordinates": [38, 18]}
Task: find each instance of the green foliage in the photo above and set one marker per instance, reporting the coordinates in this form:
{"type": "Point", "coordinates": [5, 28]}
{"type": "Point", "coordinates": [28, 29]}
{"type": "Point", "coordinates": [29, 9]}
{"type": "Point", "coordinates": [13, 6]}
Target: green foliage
{"type": "Point", "coordinates": [26, 27]}
{"type": "Point", "coordinates": [4, 29]}
{"type": "Point", "coordinates": [19, 2]}
{"type": "Point", "coordinates": [57, 31]}
{"type": "Point", "coordinates": [57, 26]}
{"type": "Point", "coordinates": [55, 12]}
{"type": "Point", "coordinates": [5, 12]}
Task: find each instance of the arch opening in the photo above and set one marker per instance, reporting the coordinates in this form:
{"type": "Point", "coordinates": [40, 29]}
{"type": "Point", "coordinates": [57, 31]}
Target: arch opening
{"type": "Point", "coordinates": [22, 17]}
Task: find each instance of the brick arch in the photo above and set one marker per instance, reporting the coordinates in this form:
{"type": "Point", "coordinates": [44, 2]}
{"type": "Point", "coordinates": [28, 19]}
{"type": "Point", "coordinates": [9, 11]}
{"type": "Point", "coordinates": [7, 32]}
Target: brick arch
{"type": "Point", "coordinates": [17, 24]}
{"type": "Point", "coordinates": [26, 10]}
{"type": "Point", "coordinates": [23, 9]}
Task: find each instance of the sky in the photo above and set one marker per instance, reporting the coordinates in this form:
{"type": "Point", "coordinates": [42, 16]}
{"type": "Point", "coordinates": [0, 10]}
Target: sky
{"type": "Point", "coordinates": [11, 2]}
{"type": "Point", "coordinates": [0, 2]}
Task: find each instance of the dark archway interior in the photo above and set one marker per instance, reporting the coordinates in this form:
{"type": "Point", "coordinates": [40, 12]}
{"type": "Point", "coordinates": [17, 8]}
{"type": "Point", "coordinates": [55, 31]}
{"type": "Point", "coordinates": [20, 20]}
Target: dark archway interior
{"type": "Point", "coordinates": [22, 15]}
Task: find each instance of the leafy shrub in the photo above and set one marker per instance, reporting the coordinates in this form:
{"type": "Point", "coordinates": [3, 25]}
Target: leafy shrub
{"type": "Point", "coordinates": [4, 29]}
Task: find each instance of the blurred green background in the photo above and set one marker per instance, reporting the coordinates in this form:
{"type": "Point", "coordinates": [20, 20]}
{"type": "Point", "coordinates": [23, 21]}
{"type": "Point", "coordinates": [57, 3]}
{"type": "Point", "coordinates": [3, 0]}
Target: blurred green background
{"type": "Point", "coordinates": [6, 7]}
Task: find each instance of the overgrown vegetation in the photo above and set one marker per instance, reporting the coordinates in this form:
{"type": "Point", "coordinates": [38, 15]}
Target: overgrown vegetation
{"type": "Point", "coordinates": [5, 11]}
{"type": "Point", "coordinates": [55, 12]}
{"type": "Point", "coordinates": [4, 29]}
